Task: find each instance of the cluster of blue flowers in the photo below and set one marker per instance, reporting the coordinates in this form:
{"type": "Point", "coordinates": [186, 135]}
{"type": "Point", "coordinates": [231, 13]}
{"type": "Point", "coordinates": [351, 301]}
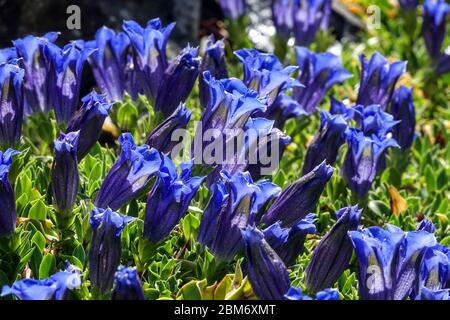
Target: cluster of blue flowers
{"type": "Point", "coordinates": [245, 214]}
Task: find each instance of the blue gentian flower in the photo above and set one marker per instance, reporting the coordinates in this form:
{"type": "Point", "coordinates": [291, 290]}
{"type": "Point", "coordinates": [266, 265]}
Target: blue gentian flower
{"type": "Point", "coordinates": [378, 79]}
{"type": "Point", "coordinates": [105, 250]}
{"type": "Point", "coordinates": [288, 243]}
{"type": "Point", "coordinates": [213, 61]}
{"type": "Point", "coordinates": [309, 17]}
{"type": "Point", "coordinates": [389, 261]}
{"type": "Point", "coordinates": [364, 159]}
{"type": "Point", "coordinates": [433, 27]}
{"type": "Point", "coordinates": [334, 251]}
{"type": "Point", "coordinates": [265, 269]}
{"type": "Point", "coordinates": [283, 17]}
{"type": "Point", "coordinates": [299, 198]}
{"type": "Point", "coordinates": [327, 141]}
{"type": "Point", "coordinates": [232, 9]}
{"type": "Point", "coordinates": [318, 72]}
{"type": "Point", "coordinates": [12, 103]}
{"type": "Point", "coordinates": [55, 287]}
{"type": "Point", "coordinates": [434, 270]}
{"type": "Point", "coordinates": [110, 63]}
{"type": "Point", "coordinates": [127, 285]}
{"type": "Point", "coordinates": [8, 54]}
{"type": "Point", "coordinates": [169, 199]}
{"type": "Point", "coordinates": [443, 64]}
{"type": "Point", "coordinates": [177, 81]}
{"type": "Point", "coordinates": [129, 175]}
{"type": "Point", "coordinates": [36, 64]}
{"type": "Point", "coordinates": [338, 107]}
{"type": "Point", "coordinates": [295, 293]}
{"type": "Point", "coordinates": [284, 108]}
{"type": "Point", "coordinates": [65, 176]}
{"type": "Point", "coordinates": [426, 225]}
{"type": "Point", "coordinates": [403, 110]}
{"type": "Point", "coordinates": [7, 199]}
{"type": "Point", "coordinates": [427, 294]}
{"type": "Point", "coordinates": [88, 120]}
{"type": "Point", "coordinates": [149, 55]}
{"type": "Point", "coordinates": [161, 137]}
{"type": "Point", "coordinates": [372, 120]}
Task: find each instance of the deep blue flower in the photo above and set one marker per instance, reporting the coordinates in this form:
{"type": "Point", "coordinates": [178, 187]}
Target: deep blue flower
{"type": "Point", "coordinates": [299, 198]}
{"type": "Point", "coordinates": [127, 285]}
{"type": "Point", "coordinates": [318, 72]}
{"type": "Point", "coordinates": [169, 199]}
{"type": "Point", "coordinates": [177, 81]}
{"type": "Point", "coordinates": [296, 293]}
{"type": "Point", "coordinates": [129, 175]}
{"type": "Point", "coordinates": [378, 79]}
{"type": "Point", "coordinates": [334, 251]}
{"type": "Point", "coordinates": [427, 294]}
{"type": "Point", "coordinates": [364, 159]}
{"type": "Point", "coordinates": [7, 199]}
{"type": "Point", "coordinates": [309, 17]}
{"type": "Point", "coordinates": [88, 120]}
{"type": "Point", "coordinates": [403, 110]}
{"type": "Point", "coordinates": [434, 270]}
{"type": "Point", "coordinates": [426, 225]}
{"type": "Point", "coordinates": [408, 4]}
{"type": "Point", "coordinates": [36, 63]}
{"type": "Point", "coordinates": [235, 202]}
{"type": "Point", "coordinates": [8, 54]}
{"type": "Point", "coordinates": [338, 107]}
{"type": "Point", "coordinates": [149, 55]}
{"type": "Point", "coordinates": [12, 103]}
{"type": "Point", "coordinates": [213, 61]}
{"type": "Point", "coordinates": [443, 65]}
{"type": "Point", "coordinates": [283, 17]}
{"type": "Point", "coordinates": [65, 176]}
{"type": "Point", "coordinates": [110, 63]}
{"type": "Point", "coordinates": [327, 141]}
{"type": "Point", "coordinates": [372, 120]}
{"type": "Point", "coordinates": [433, 27]}
{"type": "Point", "coordinates": [389, 261]}
{"type": "Point", "coordinates": [284, 108]}
{"type": "Point", "coordinates": [55, 287]}
{"type": "Point", "coordinates": [105, 251]}
{"type": "Point", "coordinates": [232, 9]}
{"type": "Point", "coordinates": [288, 243]}
{"type": "Point", "coordinates": [265, 269]}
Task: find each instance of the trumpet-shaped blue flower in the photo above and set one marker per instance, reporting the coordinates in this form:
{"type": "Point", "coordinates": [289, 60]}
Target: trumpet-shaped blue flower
{"type": "Point", "coordinates": [288, 243]}
{"type": "Point", "coordinates": [129, 175]}
{"type": "Point", "coordinates": [433, 27]}
{"type": "Point", "coordinates": [284, 108]}
{"type": "Point", "coordinates": [364, 159]}
{"type": "Point", "coordinates": [309, 17]}
{"type": "Point", "coordinates": [177, 81]}
{"type": "Point", "coordinates": [434, 270]}
{"type": "Point", "coordinates": [265, 269]}
{"type": "Point", "coordinates": [372, 120]}
{"type": "Point", "coordinates": [8, 54]}
{"type": "Point", "coordinates": [403, 110]}
{"type": "Point", "coordinates": [169, 199]}
{"type": "Point", "coordinates": [149, 55]}
{"type": "Point", "coordinates": [105, 251]}
{"type": "Point", "coordinates": [55, 287]}
{"type": "Point", "coordinates": [283, 17]}
{"type": "Point", "coordinates": [36, 64]}
{"type": "Point", "coordinates": [327, 141]}
{"type": "Point", "coordinates": [378, 79]}
{"type": "Point", "coordinates": [299, 198]}
{"type": "Point", "coordinates": [11, 103]}
{"type": "Point", "coordinates": [338, 107]}
{"type": "Point", "coordinates": [213, 61]}
{"type": "Point", "coordinates": [427, 294]}
{"type": "Point", "coordinates": [88, 120]}
{"type": "Point", "coordinates": [232, 9]}
{"type": "Point", "coordinates": [7, 199]}
{"type": "Point", "coordinates": [65, 176]}
{"type": "Point", "coordinates": [318, 72]}
{"type": "Point", "coordinates": [333, 253]}
{"type": "Point", "coordinates": [127, 285]}
{"type": "Point", "coordinates": [296, 293]}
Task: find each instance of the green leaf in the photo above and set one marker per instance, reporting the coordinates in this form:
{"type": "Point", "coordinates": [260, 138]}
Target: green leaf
{"type": "Point", "coordinates": [430, 179]}
{"type": "Point", "coordinates": [38, 211]}
{"type": "Point", "coordinates": [47, 266]}
{"type": "Point", "coordinates": [39, 240]}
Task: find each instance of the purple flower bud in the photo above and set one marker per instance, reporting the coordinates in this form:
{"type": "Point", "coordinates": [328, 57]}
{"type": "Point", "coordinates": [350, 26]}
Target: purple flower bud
{"type": "Point", "coordinates": [213, 61]}
{"type": "Point", "coordinates": [105, 251]}
{"type": "Point", "coordinates": [403, 110]}
{"type": "Point", "coordinates": [127, 285]}
{"type": "Point", "coordinates": [318, 72]}
{"type": "Point", "coordinates": [65, 176]}
{"type": "Point", "coordinates": [309, 17]}
{"type": "Point", "coordinates": [149, 55]}
{"type": "Point", "coordinates": [7, 199]}
{"type": "Point", "coordinates": [89, 121]}
{"type": "Point", "coordinates": [283, 17]}
{"type": "Point", "coordinates": [299, 198]}
{"type": "Point", "coordinates": [11, 104]}
{"type": "Point", "coordinates": [169, 199]}
{"type": "Point", "coordinates": [333, 253]}
{"type": "Point", "coordinates": [177, 81]}
{"type": "Point", "coordinates": [161, 137]}
{"type": "Point", "coordinates": [433, 27]}
{"type": "Point", "coordinates": [129, 175]}
{"type": "Point", "coordinates": [378, 79]}
{"type": "Point", "coordinates": [232, 9]}
{"type": "Point", "coordinates": [327, 141]}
